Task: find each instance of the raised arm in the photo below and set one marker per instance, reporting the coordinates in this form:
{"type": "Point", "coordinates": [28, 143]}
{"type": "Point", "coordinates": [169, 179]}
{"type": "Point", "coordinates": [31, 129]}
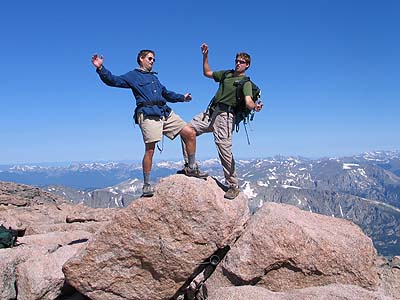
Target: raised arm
{"type": "Point", "coordinates": [97, 61]}
{"type": "Point", "coordinates": [206, 67]}
{"type": "Point", "coordinates": [106, 76]}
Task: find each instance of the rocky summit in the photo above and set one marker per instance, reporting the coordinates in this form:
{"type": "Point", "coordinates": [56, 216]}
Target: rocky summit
{"type": "Point", "coordinates": [153, 246]}
{"type": "Point", "coordinates": [185, 242]}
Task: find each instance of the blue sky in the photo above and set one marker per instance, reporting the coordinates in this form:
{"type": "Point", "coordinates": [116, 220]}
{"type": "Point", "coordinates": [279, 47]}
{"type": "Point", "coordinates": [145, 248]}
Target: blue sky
{"type": "Point", "coordinates": [328, 70]}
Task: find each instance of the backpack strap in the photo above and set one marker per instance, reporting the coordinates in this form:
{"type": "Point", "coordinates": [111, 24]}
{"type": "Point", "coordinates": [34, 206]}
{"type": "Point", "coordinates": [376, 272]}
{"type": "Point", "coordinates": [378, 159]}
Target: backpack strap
{"type": "Point", "coordinates": [224, 75]}
{"type": "Point", "coordinates": [239, 89]}
{"type": "Point", "coordinates": [239, 99]}
{"type": "Point", "coordinates": [221, 83]}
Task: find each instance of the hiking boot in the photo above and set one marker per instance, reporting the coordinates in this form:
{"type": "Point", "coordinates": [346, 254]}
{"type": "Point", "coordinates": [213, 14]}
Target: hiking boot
{"type": "Point", "coordinates": [148, 190]}
{"type": "Point", "coordinates": [183, 170]}
{"type": "Point", "coordinates": [194, 172]}
{"type": "Point", "coordinates": [232, 192]}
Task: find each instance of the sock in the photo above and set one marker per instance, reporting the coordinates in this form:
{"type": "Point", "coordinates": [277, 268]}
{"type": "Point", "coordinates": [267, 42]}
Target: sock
{"type": "Point", "coordinates": [146, 178]}
{"type": "Point", "coordinates": [192, 160]}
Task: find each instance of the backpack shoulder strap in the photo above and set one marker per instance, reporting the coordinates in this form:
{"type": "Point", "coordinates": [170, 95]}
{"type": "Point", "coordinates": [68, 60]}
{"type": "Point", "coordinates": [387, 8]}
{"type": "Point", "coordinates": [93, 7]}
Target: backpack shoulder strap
{"type": "Point", "coordinates": [239, 88]}
{"type": "Point", "coordinates": [224, 75]}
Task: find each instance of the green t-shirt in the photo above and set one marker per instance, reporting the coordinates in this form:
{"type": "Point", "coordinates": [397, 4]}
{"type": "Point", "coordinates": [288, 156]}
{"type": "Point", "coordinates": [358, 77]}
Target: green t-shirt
{"type": "Point", "coordinates": [226, 93]}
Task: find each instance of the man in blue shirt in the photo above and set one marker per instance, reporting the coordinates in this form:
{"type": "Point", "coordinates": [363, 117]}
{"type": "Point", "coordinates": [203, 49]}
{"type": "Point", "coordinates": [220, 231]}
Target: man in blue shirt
{"type": "Point", "coordinates": [154, 116]}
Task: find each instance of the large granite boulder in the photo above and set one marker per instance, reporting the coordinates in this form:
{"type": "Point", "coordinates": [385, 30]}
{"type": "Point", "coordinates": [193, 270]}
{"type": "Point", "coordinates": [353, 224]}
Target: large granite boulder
{"type": "Point", "coordinates": [152, 247]}
{"type": "Point", "coordinates": [286, 248]}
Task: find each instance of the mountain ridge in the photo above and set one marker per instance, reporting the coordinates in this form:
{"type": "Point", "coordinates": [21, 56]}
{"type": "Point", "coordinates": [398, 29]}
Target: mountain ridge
{"type": "Point", "coordinates": [364, 188]}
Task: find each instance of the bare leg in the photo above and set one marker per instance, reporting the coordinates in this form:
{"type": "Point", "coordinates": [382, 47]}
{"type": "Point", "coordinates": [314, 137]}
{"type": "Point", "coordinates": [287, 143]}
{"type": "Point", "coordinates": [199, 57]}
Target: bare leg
{"type": "Point", "coordinates": [184, 152]}
{"type": "Point", "coordinates": [148, 157]}
{"type": "Point", "coordinates": [188, 135]}
{"type": "Point", "coordinates": [146, 165]}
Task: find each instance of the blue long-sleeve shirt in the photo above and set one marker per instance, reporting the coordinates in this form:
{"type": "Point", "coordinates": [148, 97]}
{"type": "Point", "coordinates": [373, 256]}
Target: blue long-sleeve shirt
{"type": "Point", "coordinates": [151, 96]}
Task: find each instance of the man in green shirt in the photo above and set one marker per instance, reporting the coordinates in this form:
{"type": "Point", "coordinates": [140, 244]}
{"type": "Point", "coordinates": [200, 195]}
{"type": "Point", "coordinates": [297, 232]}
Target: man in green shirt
{"type": "Point", "coordinates": [220, 117]}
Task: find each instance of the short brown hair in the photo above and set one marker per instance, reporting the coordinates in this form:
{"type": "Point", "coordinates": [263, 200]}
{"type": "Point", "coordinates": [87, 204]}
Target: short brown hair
{"type": "Point", "coordinates": [245, 56]}
{"type": "Point", "coordinates": [143, 53]}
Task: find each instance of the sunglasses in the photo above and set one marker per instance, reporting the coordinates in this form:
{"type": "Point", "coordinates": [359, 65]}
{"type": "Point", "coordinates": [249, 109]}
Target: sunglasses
{"type": "Point", "coordinates": [240, 61]}
{"type": "Point", "coordinates": [150, 58]}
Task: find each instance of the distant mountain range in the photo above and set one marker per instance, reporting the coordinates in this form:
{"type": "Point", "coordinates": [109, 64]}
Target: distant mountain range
{"type": "Point", "coordinates": [364, 188]}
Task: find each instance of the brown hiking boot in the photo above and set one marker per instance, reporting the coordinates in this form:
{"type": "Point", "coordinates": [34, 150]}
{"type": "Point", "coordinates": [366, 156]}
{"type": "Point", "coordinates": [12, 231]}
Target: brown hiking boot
{"type": "Point", "coordinates": [194, 172]}
{"type": "Point", "coordinates": [232, 192]}
{"type": "Point", "coordinates": [183, 170]}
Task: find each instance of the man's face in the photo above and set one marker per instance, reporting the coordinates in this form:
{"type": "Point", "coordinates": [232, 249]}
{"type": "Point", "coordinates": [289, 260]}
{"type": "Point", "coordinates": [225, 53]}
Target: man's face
{"type": "Point", "coordinates": [240, 64]}
{"type": "Point", "coordinates": [148, 61]}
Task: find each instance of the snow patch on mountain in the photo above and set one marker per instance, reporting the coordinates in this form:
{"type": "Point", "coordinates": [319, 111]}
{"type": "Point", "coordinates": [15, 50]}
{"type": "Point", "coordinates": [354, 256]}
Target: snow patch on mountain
{"type": "Point", "coordinates": [248, 191]}
{"type": "Point", "coordinates": [349, 166]}
{"type": "Point", "coordinates": [170, 164]}
{"type": "Point", "coordinates": [287, 186]}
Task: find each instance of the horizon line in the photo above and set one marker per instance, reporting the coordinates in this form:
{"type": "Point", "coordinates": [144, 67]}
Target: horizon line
{"type": "Point", "coordinates": [70, 162]}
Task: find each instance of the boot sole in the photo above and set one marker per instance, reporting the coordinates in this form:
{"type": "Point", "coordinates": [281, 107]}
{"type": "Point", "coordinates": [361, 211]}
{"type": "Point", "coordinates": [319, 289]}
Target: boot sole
{"type": "Point", "coordinates": [147, 195]}
{"type": "Point", "coordinates": [194, 176]}
{"type": "Point", "coordinates": [230, 197]}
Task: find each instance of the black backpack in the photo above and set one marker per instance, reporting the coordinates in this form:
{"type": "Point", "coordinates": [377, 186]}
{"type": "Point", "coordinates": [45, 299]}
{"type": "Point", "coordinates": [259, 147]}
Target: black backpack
{"type": "Point", "coordinates": [243, 114]}
{"type": "Point", "coordinates": [8, 237]}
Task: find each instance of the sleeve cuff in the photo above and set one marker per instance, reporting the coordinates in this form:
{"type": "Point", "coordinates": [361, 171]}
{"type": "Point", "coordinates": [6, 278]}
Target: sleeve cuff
{"type": "Point", "coordinates": [100, 70]}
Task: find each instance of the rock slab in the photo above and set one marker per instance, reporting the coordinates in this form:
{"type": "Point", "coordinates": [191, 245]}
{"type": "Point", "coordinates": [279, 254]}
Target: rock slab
{"type": "Point", "coordinates": [155, 244]}
{"type": "Point", "coordinates": [286, 248]}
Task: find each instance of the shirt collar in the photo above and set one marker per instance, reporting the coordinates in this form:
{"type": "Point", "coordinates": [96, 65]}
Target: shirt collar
{"type": "Point", "coordinates": [145, 72]}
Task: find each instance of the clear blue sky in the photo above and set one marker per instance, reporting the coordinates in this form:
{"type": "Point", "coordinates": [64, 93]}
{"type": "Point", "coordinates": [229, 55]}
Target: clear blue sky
{"type": "Point", "coordinates": [328, 69]}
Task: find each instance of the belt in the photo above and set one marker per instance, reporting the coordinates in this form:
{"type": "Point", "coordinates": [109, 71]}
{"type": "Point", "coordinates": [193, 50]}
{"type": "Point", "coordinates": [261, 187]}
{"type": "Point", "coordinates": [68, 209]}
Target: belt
{"type": "Point", "coordinates": [151, 103]}
{"type": "Point", "coordinates": [224, 107]}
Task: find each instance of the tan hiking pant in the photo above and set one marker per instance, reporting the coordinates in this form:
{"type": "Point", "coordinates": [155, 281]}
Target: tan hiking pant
{"type": "Point", "coordinates": [220, 123]}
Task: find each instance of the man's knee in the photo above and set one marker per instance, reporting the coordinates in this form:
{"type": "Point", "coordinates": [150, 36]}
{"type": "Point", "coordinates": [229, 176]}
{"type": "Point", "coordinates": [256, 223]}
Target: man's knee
{"type": "Point", "coordinates": [188, 133]}
{"type": "Point", "coordinates": [149, 148]}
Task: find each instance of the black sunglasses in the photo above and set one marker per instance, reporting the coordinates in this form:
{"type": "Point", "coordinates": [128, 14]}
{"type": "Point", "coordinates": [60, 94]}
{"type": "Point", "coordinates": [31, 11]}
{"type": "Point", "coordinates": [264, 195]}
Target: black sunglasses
{"type": "Point", "coordinates": [240, 61]}
{"type": "Point", "coordinates": [150, 58]}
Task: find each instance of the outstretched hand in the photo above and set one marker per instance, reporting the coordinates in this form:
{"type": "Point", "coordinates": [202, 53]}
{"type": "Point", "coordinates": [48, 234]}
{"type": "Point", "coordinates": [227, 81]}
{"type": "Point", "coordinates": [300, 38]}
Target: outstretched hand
{"type": "Point", "coordinates": [97, 61]}
{"type": "Point", "coordinates": [204, 49]}
{"type": "Point", "coordinates": [259, 106]}
{"type": "Point", "coordinates": [188, 97]}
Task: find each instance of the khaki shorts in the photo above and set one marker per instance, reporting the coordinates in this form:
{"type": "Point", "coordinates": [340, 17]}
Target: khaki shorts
{"type": "Point", "coordinates": [153, 128]}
